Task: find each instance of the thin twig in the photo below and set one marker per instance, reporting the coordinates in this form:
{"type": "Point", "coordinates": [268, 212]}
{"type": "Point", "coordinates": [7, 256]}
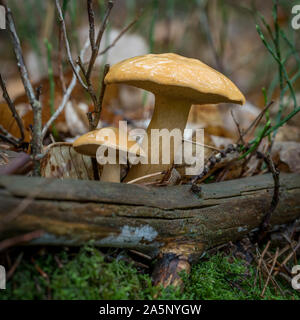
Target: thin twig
{"type": "Point", "coordinates": [93, 122]}
{"type": "Point", "coordinates": [99, 105]}
{"type": "Point", "coordinates": [238, 128]}
{"type": "Point", "coordinates": [253, 149]}
{"type": "Point", "coordinates": [67, 44]}
{"type": "Point", "coordinates": [96, 47]}
{"type": "Point", "coordinates": [81, 66]}
{"type": "Point", "coordinates": [145, 177]}
{"type": "Point", "coordinates": [258, 269]}
{"type": "Point", "coordinates": [265, 269]}
{"type": "Point", "coordinates": [257, 120]}
{"type": "Point", "coordinates": [60, 59]}
{"type": "Point", "coordinates": [141, 254]}
{"type": "Point", "coordinates": [35, 104]}
{"type": "Point", "coordinates": [6, 139]}
{"type": "Point", "coordinates": [282, 251]}
{"type": "Point", "coordinates": [6, 136]}
{"type": "Point", "coordinates": [90, 119]}
{"type": "Point", "coordinates": [119, 36]}
{"type": "Point", "coordinates": [38, 91]}
{"type": "Point", "coordinates": [14, 267]}
{"type": "Point", "coordinates": [289, 257]}
{"type": "Point", "coordinates": [5, 244]}
{"type": "Point", "coordinates": [91, 15]}
{"type": "Point", "coordinates": [202, 145]}
{"type": "Point", "coordinates": [270, 273]}
{"type": "Point", "coordinates": [66, 96]}
{"type": "Point", "coordinates": [90, 88]}
{"type": "Point", "coordinates": [12, 109]}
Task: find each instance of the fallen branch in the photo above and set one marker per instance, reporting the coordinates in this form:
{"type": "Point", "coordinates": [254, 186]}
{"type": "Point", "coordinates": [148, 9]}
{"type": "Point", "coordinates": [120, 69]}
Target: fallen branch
{"type": "Point", "coordinates": [72, 212]}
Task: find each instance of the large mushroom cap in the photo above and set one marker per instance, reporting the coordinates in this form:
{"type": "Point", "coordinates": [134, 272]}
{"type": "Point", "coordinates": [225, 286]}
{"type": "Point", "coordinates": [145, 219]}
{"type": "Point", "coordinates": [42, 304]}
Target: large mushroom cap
{"type": "Point", "coordinates": [176, 76]}
{"type": "Point", "coordinates": [91, 141]}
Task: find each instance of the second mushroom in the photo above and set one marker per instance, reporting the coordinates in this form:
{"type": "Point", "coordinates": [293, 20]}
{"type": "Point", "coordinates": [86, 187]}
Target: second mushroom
{"type": "Point", "coordinates": [108, 140]}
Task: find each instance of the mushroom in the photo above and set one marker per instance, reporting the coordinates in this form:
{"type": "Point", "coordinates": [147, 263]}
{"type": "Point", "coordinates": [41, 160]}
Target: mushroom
{"type": "Point", "coordinates": [109, 143]}
{"type": "Point", "coordinates": [177, 82]}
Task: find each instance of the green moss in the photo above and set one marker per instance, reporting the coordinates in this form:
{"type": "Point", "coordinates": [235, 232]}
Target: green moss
{"type": "Point", "coordinates": [86, 275]}
{"type": "Point", "coordinates": [83, 276]}
{"type": "Point", "coordinates": [228, 279]}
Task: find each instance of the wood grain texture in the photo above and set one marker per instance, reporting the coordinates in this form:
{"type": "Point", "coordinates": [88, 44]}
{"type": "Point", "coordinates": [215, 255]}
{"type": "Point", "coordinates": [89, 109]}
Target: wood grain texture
{"type": "Point", "coordinates": [166, 219]}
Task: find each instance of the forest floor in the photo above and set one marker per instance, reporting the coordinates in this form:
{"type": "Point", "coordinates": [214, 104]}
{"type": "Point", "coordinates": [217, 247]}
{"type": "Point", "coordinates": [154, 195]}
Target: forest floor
{"type": "Point", "coordinates": [91, 274]}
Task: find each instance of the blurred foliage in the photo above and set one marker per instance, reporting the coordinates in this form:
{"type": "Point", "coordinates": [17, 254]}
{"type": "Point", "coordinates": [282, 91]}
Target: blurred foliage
{"type": "Point", "coordinates": [219, 32]}
{"type": "Point", "coordinates": [285, 54]}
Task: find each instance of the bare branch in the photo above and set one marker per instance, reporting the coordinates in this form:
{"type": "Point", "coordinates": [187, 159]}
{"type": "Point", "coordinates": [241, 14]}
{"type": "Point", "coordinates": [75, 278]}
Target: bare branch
{"type": "Point", "coordinates": [120, 35]}
{"type": "Point", "coordinates": [35, 104]}
{"type": "Point", "coordinates": [90, 88]}
{"type": "Point", "coordinates": [19, 55]}
{"type": "Point", "coordinates": [81, 66]}
{"type": "Point", "coordinates": [91, 15]}
{"type": "Point", "coordinates": [238, 127]}
{"type": "Point", "coordinates": [38, 91]}
{"type": "Point", "coordinates": [90, 119]}
{"type": "Point", "coordinates": [257, 119]}
{"type": "Point", "coordinates": [86, 75]}
{"type": "Point", "coordinates": [99, 106]}
{"type": "Point", "coordinates": [60, 59]}
{"type": "Point", "coordinates": [12, 108]}
{"type": "Point", "coordinates": [67, 94]}
{"type": "Point", "coordinates": [96, 48]}
{"type": "Point", "coordinates": [6, 136]}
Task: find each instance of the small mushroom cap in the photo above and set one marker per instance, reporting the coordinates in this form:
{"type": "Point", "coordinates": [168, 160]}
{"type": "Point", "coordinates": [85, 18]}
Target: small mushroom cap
{"type": "Point", "coordinates": [91, 141]}
{"type": "Point", "coordinates": [176, 76]}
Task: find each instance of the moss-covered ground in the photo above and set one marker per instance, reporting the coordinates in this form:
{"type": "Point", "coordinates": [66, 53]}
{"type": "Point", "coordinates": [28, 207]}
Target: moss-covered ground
{"type": "Point", "coordinates": [87, 274]}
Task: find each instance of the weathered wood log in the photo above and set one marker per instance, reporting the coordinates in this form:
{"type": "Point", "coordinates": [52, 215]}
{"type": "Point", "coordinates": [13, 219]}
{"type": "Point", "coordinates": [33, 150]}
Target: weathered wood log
{"type": "Point", "coordinates": [72, 212]}
{"type": "Point", "coordinates": [171, 223]}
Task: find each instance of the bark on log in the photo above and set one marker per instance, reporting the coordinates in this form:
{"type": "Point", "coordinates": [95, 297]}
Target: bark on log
{"type": "Point", "coordinates": [153, 220]}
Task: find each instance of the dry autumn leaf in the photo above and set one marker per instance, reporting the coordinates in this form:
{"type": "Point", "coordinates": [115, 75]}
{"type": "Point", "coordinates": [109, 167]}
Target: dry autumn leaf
{"type": "Point", "coordinates": [286, 156]}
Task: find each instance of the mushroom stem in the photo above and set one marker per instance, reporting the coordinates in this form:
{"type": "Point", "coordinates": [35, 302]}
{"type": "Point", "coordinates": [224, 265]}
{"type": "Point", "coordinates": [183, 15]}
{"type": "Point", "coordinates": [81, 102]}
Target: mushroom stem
{"type": "Point", "coordinates": [111, 173]}
{"type": "Point", "coordinates": [169, 113]}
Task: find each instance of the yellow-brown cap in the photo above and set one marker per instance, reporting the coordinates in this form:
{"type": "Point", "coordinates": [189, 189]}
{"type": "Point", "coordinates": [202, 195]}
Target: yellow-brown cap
{"type": "Point", "coordinates": [176, 76]}
{"type": "Point", "coordinates": [91, 141]}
